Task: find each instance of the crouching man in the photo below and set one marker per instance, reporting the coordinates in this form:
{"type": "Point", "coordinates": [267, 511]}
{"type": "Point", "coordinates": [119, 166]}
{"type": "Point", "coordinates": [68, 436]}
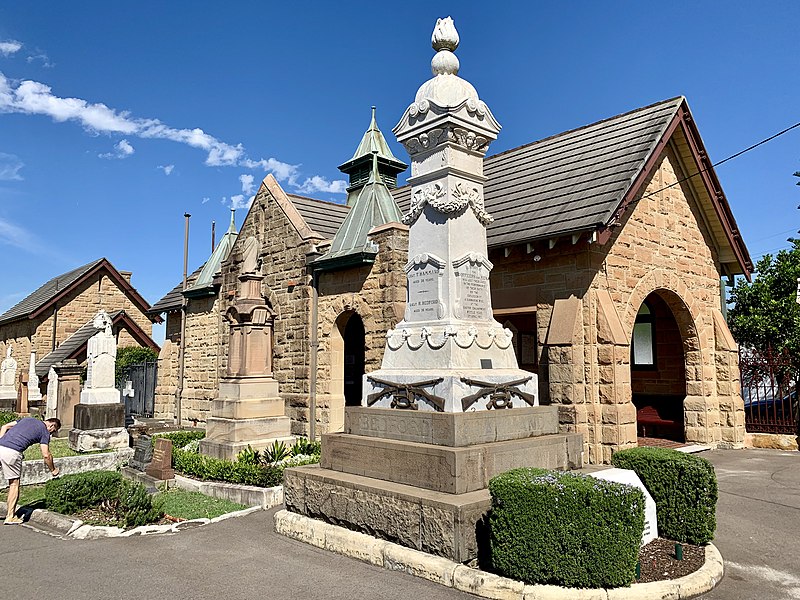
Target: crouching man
{"type": "Point", "coordinates": [15, 438]}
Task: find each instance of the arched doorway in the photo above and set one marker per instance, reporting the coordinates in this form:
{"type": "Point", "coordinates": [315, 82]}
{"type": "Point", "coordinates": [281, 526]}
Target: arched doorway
{"type": "Point", "coordinates": [353, 360]}
{"type": "Point", "coordinates": [658, 368]}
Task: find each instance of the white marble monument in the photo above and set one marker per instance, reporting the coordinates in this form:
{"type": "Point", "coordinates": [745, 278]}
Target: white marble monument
{"type": "Point", "coordinates": [51, 409]}
{"type": "Point", "coordinates": [34, 394]}
{"type": "Point", "coordinates": [101, 354]}
{"type": "Point", "coordinates": [629, 477]}
{"type": "Point", "coordinates": [8, 381]}
{"type": "Point", "coordinates": [448, 350]}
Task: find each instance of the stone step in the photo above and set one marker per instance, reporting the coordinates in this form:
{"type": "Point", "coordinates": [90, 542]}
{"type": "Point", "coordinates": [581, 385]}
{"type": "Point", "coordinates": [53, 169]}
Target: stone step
{"type": "Point", "coordinates": [446, 469]}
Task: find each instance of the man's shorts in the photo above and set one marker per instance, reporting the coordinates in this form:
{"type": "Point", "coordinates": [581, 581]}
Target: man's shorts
{"type": "Point", "coordinates": [11, 461]}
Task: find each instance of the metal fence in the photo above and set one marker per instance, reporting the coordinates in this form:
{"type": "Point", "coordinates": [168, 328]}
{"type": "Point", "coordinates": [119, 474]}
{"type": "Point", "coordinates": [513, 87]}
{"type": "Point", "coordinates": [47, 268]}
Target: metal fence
{"type": "Point", "coordinates": [138, 387]}
{"type": "Point", "coordinates": [770, 384]}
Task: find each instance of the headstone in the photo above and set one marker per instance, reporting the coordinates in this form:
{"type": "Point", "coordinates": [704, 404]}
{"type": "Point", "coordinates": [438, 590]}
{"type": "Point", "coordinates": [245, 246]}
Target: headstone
{"type": "Point", "coordinates": [34, 395]}
{"type": "Point", "coordinates": [629, 477]}
{"type": "Point", "coordinates": [142, 453]}
{"type": "Point", "coordinates": [51, 409]}
{"type": "Point", "coordinates": [101, 351]}
{"type": "Point", "coordinates": [8, 381]}
{"type": "Point", "coordinates": [160, 465]}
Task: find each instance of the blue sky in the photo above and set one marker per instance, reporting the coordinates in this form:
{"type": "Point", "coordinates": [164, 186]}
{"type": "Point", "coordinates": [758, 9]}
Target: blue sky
{"type": "Point", "coordinates": [116, 119]}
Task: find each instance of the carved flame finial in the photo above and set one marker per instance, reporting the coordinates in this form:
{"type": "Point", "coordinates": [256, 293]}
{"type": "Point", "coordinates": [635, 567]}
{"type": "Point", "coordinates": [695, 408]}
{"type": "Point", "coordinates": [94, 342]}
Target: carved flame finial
{"type": "Point", "coordinates": [445, 40]}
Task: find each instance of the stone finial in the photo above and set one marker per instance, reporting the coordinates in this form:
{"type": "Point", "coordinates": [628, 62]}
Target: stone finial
{"type": "Point", "coordinates": [444, 40]}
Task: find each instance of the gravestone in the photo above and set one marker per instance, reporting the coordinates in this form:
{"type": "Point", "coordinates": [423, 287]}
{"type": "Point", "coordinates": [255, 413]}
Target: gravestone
{"type": "Point", "coordinates": [34, 394]}
{"type": "Point", "coordinates": [629, 477]}
{"type": "Point", "coordinates": [160, 466]}
{"type": "Point", "coordinates": [8, 380]}
{"type": "Point", "coordinates": [142, 453]}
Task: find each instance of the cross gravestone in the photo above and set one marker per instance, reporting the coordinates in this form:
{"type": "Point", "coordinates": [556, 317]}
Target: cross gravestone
{"type": "Point", "coordinates": [142, 453]}
{"type": "Point", "coordinates": [160, 466]}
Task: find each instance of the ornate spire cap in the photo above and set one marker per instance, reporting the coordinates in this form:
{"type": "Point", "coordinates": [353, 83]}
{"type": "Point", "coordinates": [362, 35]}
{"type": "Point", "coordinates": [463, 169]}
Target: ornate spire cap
{"type": "Point", "coordinates": [446, 92]}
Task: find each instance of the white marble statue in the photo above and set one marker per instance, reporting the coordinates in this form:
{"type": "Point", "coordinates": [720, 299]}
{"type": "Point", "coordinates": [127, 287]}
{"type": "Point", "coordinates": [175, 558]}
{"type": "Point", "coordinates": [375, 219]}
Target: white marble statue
{"type": "Point", "coordinates": [8, 369]}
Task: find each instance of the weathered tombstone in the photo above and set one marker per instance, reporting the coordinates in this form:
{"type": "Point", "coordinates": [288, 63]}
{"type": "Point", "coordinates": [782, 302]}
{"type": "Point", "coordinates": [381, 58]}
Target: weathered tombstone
{"type": "Point", "coordinates": [99, 421]}
{"type": "Point", "coordinates": [51, 408]}
{"type": "Point", "coordinates": [34, 394]}
{"type": "Point", "coordinates": [69, 391]}
{"type": "Point", "coordinates": [631, 478]}
{"type": "Point", "coordinates": [142, 453]}
{"type": "Point", "coordinates": [160, 466]}
{"type": "Point", "coordinates": [8, 380]}
{"type": "Point", "coordinates": [22, 394]}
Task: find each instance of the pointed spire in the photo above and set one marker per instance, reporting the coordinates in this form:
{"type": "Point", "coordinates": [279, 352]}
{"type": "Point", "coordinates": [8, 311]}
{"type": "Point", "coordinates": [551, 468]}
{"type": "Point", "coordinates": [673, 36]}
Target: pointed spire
{"type": "Point", "coordinates": [232, 226]}
{"type": "Point", "coordinates": [358, 167]}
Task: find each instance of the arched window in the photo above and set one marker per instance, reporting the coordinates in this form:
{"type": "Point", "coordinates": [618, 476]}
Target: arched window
{"type": "Point", "coordinates": [643, 344]}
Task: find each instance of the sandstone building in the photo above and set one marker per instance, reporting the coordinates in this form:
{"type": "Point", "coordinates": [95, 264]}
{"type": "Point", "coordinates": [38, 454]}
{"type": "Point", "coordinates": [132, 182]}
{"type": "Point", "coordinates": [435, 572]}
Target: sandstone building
{"type": "Point", "coordinates": [53, 319]}
{"type": "Point", "coordinates": [610, 244]}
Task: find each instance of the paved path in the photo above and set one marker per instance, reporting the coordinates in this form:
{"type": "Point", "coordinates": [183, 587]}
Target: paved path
{"type": "Point", "coordinates": [758, 531]}
{"type": "Point", "coordinates": [758, 524]}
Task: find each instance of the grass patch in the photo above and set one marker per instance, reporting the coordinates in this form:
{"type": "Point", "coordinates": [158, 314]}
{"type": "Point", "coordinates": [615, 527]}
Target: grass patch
{"type": "Point", "coordinates": [194, 505]}
{"type": "Point", "coordinates": [29, 495]}
{"type": "Point", "coordinates": [59, 448]}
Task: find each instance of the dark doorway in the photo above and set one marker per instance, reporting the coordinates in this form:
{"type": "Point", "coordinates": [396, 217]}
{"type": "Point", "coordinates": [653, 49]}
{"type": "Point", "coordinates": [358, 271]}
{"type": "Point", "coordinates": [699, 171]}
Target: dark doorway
{"type": "Point", "coordinates": [353, 360]}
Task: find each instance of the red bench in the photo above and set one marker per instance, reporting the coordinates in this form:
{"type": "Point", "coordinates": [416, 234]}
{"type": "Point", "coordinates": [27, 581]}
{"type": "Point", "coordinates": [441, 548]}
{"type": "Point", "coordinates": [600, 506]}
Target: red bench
{"type": "Point", "coordinates": [651, 424]}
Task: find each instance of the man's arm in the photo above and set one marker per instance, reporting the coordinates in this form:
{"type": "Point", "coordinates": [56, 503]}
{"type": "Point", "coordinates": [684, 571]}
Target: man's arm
{"type": "Point", "coordinates": [6, 427]}
{"type": "Point", "coordinates": [48, 459]}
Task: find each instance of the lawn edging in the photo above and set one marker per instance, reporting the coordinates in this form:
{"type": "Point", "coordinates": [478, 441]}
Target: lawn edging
{"type": "Point", "coordinates": [474, 581]}
{"type": "Point", "coordinates": [35, 471]}
{"type": "Point", "coordinates": [248, 495]}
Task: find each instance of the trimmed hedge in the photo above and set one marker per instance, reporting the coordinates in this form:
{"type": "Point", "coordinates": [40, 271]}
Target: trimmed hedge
{"type": "Point", "coordinates": [180, 438]}
{"type": "Point", "coordinates": [559, 528]}
{"type": "Point", "coordinates": [684, 488]}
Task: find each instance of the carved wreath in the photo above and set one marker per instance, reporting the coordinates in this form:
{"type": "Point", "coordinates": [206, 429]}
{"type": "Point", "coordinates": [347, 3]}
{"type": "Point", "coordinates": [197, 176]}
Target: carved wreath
{"type": "Point", "coordinates": [461, 197]}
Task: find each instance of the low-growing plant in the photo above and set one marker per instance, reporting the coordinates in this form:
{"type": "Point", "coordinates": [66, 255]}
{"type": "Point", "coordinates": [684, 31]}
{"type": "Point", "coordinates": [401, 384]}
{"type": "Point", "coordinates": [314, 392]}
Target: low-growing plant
{"type": "Point", "coordinates": [565, 529]}
{"type": "Point", "coordinates": [683, 486]}
{"type": "Point", "coordinates": [249, 456]}
{"type": "Point", "coordinates": [70, 493]}
{"type": "Point", "coordinates": [304, 446]}
{"type": "Point", "coordinates": [276, 452]}
{"type": "Point", "coordinates": [180, 438]}
{"type": "Point", "coordinates": [7, 416]}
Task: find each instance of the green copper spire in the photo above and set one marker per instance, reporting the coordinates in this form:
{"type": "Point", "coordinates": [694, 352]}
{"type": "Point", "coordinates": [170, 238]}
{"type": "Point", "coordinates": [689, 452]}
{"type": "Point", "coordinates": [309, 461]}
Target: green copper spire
{"type": "Point", "coordinates": [373, 205]}
{"type": "Point", "coordinates": [204, 284]}
{"type": "Point", "coordinates": [359, 166]}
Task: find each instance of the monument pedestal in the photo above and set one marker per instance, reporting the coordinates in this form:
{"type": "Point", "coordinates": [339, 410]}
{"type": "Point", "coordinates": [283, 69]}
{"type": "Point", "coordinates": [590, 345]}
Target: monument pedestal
{"type": "Point", "coordinates": [419, 478]}
{"type": "Point", "coordinates": [249, 412]}
{"type": "Point", "coordinates": [8, 398]}
{"type": "Point", "coordinates": [98, 427]}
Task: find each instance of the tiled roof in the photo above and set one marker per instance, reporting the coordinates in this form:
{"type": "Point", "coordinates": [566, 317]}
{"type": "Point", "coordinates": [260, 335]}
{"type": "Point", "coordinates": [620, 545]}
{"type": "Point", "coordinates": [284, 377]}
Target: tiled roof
{"type": "Point", "coordinates": [46, 292]}
{"type": "Point", "coordinates": [323, 217]}
{"type": "Point", "coordinates": [570, 182]}
{"type": "Point", "coordinates": [172, 301]}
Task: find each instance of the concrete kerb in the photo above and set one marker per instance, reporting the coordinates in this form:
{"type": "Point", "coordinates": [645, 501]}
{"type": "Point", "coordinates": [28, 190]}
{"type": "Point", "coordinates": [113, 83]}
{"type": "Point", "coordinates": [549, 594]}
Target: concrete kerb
{"type": "Point", "coordinates": [68, 527]}
{"type": "Point", "coordinates": [487, 585]}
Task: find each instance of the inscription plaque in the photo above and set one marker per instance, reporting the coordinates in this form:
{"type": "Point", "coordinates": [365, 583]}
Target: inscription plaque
{"type": "Point", "coordinates": [472, 288]}
{"type": "Point", "coordinates": [424, 289]}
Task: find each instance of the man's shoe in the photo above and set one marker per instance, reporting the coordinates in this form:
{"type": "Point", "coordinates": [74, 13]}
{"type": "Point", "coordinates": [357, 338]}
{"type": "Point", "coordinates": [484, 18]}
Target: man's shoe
{"type": "Point", "coordinates": [13, 521]}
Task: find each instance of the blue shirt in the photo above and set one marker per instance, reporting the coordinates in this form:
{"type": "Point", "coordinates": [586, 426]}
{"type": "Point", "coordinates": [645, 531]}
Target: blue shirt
{"type": "Point", "coordinates": [25, 433]}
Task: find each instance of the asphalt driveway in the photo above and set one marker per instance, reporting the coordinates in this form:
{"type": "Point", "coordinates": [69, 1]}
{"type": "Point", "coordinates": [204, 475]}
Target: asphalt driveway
{"type": "Point", "coordinates": [758, 531]}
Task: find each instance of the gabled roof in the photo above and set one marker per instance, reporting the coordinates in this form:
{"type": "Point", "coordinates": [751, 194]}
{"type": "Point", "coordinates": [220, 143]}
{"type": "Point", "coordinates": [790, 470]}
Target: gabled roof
{"type": "Point", "coordinates": [58, 287]}
{"type": "Point", "coordinates": [322, 217]}
{"type": "Point", "coordinates": [75, 345]}
{"type": "Point", "coordinates": [372, 207]}
{"type": "Point", "coordinates": [173, 299]}
{"type": "Point", "coordinates": [203, 284]}
{"type": "Point", "coordinates": [581, 180]}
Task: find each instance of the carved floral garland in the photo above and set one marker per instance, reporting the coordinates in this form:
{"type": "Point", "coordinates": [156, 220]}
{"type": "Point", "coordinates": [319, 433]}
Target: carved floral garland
{"type": "Point", "coordinates": [461, 197]}
{"type": "Point", "coordinates": [395, 339]}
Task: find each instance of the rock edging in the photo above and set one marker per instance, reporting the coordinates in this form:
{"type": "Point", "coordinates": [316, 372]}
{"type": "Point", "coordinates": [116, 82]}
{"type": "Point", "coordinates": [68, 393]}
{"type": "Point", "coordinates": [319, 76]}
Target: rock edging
{"type": "Point", "coordinates": [487, 585]}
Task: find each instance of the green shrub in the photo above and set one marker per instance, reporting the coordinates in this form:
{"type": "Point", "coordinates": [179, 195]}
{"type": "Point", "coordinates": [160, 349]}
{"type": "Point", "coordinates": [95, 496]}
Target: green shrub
{"type": "Point", "coordinates": [305, 446]}
{"type": "Point", "coordinates": [135, 506]}
{"type": "Point", "coordinates": [131, 355]}
{"type": "Point", "coordinates": [180, 438]}
{"type": "Point", "coordinates": [684, 488]}
{"type": "Point", "coordinates": [559, 528]}
{"type": "Point", "coordinates": [276, 452]}
{"type": "Point", "coordinates": [72, 493]}
{"type": "Point", "coordinates": [7, 417]}
{"type": "Point", "coordinates": [249, 456]}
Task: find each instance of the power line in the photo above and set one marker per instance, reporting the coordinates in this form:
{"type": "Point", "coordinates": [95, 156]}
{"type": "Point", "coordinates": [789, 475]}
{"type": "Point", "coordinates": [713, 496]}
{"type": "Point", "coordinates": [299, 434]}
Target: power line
{"type": "Point", "coordinates": [724, 160]}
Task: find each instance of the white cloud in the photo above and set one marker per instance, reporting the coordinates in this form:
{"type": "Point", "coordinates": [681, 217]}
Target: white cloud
{"type": "Point", "coordinates": [10, 166]}
{"type": "Point", "coordinates": [9, 47]}
{"type": "Point", "coordinates": [247, 183]}
{"type": "Point", "coordinates": [35, 98]}
{"type": "Point", "coordinates": [123, 150]}
{"type": "Point", "coordinates": [238, 201]}
{"type": "Point", "coordinates": [205, 199]}
{"type": "Point", "coordinates": [166, 168]}
{"type": "Point", "coordinates": [42, 58]}
{"type": "Point", "coordinates": [320, 184]}
{"type": "Point", "coordinates": [14, 235]}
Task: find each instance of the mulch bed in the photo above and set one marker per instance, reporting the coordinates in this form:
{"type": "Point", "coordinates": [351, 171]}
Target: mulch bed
{"type": "Point", "coordinates": [659, 563]}
{"type": "Point", "coordinates": [99, 515]}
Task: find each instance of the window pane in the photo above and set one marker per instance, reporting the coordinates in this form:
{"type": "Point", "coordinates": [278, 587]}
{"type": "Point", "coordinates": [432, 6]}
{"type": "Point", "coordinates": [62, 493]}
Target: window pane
{"type": "Point", "coordinates": [643, 344]}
